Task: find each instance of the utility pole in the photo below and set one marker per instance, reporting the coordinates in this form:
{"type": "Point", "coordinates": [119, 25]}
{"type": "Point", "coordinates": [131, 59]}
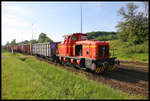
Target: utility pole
{"type": "Point", "coordinates": [81, 16]}
{"type": "Point", "coordinates": [32, 30]}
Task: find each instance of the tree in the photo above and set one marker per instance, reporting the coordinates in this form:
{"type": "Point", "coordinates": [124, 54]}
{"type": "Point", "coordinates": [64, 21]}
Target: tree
{"type": "Point", "coordinates": [26, 42]}
{"type": "Point", "coordinates": [146, 7]}
{"type": "Point", "coordinates": [102, 35]}
{"type": "Point", "coordinates": [44, 38]}
{"type": "Point", "coordinates": [33, 41]}
{"type": "Point", "coordinates": [23, 42]}
{"type": "Point", "coordinates": [13, 42]}
{"type": "Point", "coordinates": [134, 28]}
{"type": "Point", "coordinates": [7, 43]}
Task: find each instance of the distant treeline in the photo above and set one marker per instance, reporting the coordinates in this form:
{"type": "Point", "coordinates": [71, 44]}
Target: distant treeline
{"type": "Point", "coordinates": [42, 38]}
{"type": "Point", "coordinates": [102, 35]}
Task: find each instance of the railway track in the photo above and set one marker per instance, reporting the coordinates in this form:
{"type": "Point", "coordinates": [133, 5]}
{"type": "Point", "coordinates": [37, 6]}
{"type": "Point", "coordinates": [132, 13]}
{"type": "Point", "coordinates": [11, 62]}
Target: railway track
{"type": "Point", "coordinates": [129, 79]}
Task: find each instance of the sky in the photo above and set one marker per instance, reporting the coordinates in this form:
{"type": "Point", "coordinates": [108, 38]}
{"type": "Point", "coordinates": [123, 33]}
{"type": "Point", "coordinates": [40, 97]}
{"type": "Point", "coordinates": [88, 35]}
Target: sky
{"type": "Point", "coordinates": [22, 19]}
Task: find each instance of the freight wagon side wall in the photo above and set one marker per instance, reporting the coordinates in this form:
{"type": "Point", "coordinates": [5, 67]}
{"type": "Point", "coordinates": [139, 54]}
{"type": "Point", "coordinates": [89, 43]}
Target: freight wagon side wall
{"type": "Point", "coordinates": [45, 49]}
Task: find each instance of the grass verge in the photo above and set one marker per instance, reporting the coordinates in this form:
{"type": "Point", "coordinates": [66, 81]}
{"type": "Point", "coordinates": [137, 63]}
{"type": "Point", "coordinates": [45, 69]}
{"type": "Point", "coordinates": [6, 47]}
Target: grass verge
{"type": "Point", "coordinates": [29, 78]}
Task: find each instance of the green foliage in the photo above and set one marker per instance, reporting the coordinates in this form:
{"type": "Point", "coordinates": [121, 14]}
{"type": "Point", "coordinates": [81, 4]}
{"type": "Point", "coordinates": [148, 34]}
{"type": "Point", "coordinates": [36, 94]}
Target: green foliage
{"type": "Point", "coordinates": [134, 28]}
{"type": "Point", "coordinates": [44, 38]}
{"type": "Point", "coordinates": [106, 37]}
{"type": "Point", "coordinates": [132, 34]}
{"type": "Point", "coordinates": [33, 41]}
{"type": "Point", "coordinates": [26, 42]}
{"type": "Point", "coordinates": [13, 42]}
{"type": "Point", "coordinates": [142, 48]}
{"type": "Point", "coordinates": [23, 42]}
{"type": "Point", "coordinates": [124, 50]}
{"type": "Point", "coordinates": [101, 35]}
{"type": "Point", "coordinates": [7, 43]}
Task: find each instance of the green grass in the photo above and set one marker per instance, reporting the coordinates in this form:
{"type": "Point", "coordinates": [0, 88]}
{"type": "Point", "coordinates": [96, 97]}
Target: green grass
{"type": "Point", "coordinates": [6, 53]}
{"type": "Point", "coordinates": [123, 51]}
{"type": "Point", "coordinates": [29, 78]}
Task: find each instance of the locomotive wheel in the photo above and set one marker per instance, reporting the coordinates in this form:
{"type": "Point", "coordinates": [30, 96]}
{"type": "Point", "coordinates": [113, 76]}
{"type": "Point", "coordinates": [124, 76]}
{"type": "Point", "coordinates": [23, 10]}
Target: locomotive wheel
{"type": "Point", "coordinates": [111, 68]}
{"type": "Point", "coordinates": [99, 70]}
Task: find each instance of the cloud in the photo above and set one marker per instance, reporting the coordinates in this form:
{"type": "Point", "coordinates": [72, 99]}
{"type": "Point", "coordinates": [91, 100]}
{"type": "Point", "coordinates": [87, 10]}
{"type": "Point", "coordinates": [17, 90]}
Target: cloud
{"type": "Point", "coordinates": [16, 23]}
{"type": "Point", "coordinates": [15, 9]}
{"type": "Point", "coordinates": [15, 28]}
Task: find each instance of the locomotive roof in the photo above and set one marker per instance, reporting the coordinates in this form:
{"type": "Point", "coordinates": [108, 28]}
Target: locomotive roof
{"type": "Point", "coordinates": [79, 33]}
{"type": "Point", "coordinates": [91, 42]}
{"type": "Point", "coordinates": [74, 34]}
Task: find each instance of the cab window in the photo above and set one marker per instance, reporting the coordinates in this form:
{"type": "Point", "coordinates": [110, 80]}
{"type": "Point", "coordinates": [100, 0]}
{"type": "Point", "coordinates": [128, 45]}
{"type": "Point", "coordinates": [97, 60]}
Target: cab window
{"type": "Point", "coordinates": [74, 37]}
{"type": "Point", "coordinates": [63, 40]}
{"type": "Point", "coordinates": [84, 37]}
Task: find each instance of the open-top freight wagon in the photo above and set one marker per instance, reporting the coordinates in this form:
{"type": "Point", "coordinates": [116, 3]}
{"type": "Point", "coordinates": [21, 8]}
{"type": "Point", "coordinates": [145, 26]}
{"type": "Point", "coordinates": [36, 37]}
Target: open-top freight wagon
{"type": "Point", "coordinates": [47, 50]}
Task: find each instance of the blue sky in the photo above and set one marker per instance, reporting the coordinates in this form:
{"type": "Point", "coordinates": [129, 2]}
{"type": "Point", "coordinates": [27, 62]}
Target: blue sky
{"type": "Point", "coordinates": [57, 18]}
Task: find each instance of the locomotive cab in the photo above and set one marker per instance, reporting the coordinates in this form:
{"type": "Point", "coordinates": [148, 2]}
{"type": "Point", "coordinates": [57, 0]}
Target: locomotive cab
{"type": "Point", "coordinates": [66, 47]}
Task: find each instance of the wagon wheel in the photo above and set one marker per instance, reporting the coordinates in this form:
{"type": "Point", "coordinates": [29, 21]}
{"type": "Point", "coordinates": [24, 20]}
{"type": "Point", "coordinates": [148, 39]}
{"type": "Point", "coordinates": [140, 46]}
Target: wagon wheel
{"type": "Point", "coordinates": [62, 62]}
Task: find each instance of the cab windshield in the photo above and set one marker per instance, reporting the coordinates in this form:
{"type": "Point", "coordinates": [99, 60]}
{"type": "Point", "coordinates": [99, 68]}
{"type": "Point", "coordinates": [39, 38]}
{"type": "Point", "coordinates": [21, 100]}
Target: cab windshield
{"type": "Point", "coordinates": [74, 37]}
{"type": "Point", "coordinates": [84, 37]}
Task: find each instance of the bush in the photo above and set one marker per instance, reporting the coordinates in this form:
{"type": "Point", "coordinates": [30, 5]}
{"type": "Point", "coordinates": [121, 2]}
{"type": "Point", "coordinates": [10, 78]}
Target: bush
{"type": "Point", "coordinates": [141, 48]}
{"type": "Point", "coordinates": [101, 35]}
{"type": "Point", "coordinates": [127, 48]}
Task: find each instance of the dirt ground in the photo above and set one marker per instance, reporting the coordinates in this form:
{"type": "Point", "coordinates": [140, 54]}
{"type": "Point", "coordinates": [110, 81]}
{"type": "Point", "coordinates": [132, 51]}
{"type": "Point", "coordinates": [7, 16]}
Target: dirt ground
{"type": "Point", "coordinates": [127, 78]}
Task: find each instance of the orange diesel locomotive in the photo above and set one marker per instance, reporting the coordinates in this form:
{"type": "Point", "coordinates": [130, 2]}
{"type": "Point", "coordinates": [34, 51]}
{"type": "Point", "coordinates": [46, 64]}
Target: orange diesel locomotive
{"type": "Point", "coordinates": [77, 50]}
